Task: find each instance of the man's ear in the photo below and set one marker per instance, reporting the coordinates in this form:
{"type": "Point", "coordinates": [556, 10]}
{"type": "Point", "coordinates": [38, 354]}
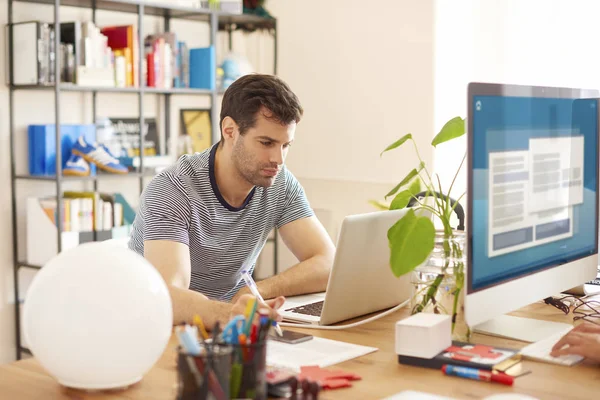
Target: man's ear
{"type": "Point", "coordinates": [230, 129]}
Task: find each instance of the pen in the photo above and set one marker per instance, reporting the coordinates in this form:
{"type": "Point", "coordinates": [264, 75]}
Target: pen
{"type": "Point", "coordinates": [478, 374]}
{"type": "Point", "coordinates": [252, 285]}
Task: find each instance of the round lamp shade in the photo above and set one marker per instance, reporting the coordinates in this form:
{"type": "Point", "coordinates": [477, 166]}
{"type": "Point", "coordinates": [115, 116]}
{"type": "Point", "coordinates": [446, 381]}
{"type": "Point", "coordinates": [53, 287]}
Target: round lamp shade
{"type": "Point", "coordinates": [97, 316]}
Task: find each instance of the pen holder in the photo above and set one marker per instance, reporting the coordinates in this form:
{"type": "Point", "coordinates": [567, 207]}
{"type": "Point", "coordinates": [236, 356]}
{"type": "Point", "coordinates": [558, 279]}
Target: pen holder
{"type": "Point", "coordinates": [205, 376]}
{"type": "Point", "coordinates": [249, 371]}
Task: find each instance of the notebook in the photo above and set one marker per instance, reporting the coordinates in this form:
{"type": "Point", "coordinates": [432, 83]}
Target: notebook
{"type": "Point", "coordinates": [318, 351]}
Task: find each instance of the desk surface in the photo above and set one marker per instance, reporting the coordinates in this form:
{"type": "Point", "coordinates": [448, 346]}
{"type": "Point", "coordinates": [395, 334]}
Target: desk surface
{"type": "Point", "coordinates": [381, 375]}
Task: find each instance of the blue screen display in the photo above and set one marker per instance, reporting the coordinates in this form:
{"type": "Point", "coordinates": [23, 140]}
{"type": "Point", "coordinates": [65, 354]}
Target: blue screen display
{"type": "Point", "coordinates": [533, 193]}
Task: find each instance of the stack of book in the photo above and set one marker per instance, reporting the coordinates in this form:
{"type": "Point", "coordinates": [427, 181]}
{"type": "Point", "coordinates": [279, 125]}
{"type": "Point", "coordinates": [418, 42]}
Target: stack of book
{"type": "Point", "coordinates": [85, 211]}
{"type": "Point", "coordinates": [167, 61]}
{"type": "Point", "coordinates": [86, 217]}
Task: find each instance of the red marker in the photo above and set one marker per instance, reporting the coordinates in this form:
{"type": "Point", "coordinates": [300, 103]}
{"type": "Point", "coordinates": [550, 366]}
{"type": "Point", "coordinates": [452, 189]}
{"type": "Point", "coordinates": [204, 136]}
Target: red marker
{"type": "Point", "coordinates": [478, 374]}
{"type": "Point", "coordinates": [253, 334]}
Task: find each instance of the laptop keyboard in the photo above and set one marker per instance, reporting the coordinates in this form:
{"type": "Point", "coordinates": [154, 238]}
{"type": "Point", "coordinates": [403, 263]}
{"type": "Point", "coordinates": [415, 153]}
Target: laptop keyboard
{"type": "Point", "coordinates": [596, 281]}
{"type": "Point", "coordinates": [313, 309]}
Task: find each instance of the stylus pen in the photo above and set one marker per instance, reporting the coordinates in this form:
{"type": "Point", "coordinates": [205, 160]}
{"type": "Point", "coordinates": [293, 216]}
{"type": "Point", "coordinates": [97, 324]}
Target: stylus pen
{"type": "Point", "coordinates": [252, 285]}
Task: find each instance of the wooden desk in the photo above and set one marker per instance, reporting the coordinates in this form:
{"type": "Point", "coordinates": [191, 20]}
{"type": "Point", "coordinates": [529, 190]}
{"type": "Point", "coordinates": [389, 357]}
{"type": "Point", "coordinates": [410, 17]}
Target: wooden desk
{"type": "Point", "coordinates": [382, 375]}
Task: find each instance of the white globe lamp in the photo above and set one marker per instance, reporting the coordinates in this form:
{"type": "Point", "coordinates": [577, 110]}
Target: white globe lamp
{"type": "Point", "coordinates": [97, 317]}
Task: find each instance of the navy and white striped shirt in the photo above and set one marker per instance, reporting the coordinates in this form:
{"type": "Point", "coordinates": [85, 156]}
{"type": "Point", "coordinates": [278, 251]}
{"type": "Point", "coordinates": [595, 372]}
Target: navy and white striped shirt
{"type": "Point", "coordinates": [183, 204]}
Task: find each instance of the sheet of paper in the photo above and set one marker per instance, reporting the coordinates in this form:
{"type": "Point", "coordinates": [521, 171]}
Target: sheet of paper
{"type": "Point", "coordinates": [413, 395]}
{"type": "Point", "coordinates": [317, 351]}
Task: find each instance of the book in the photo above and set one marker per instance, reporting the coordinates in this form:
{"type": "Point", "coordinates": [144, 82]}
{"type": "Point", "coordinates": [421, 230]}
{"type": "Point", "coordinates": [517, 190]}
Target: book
{"type": "Point", "coordinates": [202, 68]}
{"type": "Point", "coordinates": [127, 137]}
{"type": "Point", "coordinates": [467, 355]}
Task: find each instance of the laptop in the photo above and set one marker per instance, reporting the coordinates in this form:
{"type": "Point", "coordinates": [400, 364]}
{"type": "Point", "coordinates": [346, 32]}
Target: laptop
{"type": "Point", "coordinates": [361, 280]}
{"type": "Point", "coordinates": [588, 288]}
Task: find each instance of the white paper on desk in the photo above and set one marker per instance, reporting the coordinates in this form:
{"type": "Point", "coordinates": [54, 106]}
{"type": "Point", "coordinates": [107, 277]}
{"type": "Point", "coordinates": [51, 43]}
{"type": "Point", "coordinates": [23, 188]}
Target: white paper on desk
{"type": "Point", "coordinates": [317, 351]}
{"type": "Point", "coordinates": [412, 395]}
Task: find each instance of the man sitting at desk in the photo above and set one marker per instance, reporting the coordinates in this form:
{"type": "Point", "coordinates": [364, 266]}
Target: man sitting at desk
{"type": "Point", "coordinates": [207, 217]}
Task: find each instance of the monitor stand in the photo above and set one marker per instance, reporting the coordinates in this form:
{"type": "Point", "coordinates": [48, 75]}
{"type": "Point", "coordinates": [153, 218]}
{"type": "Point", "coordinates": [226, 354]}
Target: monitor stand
{"type": "Point", "coordinates": [523, 329]}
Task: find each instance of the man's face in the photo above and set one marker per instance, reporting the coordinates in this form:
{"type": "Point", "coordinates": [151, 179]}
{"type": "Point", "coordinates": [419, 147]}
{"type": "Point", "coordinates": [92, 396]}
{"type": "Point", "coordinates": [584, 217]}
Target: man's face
{"type": "Point", "coordinates": [260, 153]}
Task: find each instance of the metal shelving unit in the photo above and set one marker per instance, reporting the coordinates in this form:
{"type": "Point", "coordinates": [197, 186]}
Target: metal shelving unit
{"type": "Point", "coordinates": [218, 21]}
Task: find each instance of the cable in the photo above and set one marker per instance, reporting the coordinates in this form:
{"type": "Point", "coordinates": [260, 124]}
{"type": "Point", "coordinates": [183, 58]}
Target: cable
{"type": "Point", "coordinates": [340, 327]}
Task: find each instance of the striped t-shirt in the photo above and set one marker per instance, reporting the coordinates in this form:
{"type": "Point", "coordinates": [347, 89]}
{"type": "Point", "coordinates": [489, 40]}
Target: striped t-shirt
{"type": "Point", "coordinates": [183, 204]}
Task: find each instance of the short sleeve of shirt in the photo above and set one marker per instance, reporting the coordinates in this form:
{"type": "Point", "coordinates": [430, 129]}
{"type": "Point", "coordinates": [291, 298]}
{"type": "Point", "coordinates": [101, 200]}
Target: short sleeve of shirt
{"type": "Point", "coordinates": [296, 205]}
{"type": "Point", "coordinates": [166, 211]}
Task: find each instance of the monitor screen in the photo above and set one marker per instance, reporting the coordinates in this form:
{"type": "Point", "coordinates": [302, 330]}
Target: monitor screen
{"type": "Point", "coordinates": [534, 180]}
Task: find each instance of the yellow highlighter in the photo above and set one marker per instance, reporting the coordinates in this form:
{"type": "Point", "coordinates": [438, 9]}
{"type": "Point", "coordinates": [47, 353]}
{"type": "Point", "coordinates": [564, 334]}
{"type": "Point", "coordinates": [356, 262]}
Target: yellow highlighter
{"type": "Point", "coordinates": [249, 314]}
{"type": "Point", "coordinates": [201, 329]}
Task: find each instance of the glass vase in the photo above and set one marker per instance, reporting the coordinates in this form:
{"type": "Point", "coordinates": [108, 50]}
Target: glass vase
{"type": "Point", "coordinates": [438, 283]}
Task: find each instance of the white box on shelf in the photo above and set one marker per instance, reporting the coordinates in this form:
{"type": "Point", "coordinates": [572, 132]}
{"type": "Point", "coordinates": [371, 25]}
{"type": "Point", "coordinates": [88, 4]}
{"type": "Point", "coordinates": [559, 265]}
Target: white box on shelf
{"type": "Point", "coordinates": [42, 234]}
{"type": "Point", "coordinates": [99, 77]}
{"type": "Point", "coordinates": [423, 335]}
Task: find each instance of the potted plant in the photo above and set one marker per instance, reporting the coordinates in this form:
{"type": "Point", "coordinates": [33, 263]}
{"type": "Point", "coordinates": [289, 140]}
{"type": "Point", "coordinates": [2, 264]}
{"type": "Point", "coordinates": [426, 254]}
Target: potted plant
{"type": "Point", "coordinates": [436, 258]}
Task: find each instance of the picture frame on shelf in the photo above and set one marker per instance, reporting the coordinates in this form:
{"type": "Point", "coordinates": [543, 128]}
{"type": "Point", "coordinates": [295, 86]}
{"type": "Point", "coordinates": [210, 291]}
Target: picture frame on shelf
{"type": "Point", "coordinates": [196, 130]}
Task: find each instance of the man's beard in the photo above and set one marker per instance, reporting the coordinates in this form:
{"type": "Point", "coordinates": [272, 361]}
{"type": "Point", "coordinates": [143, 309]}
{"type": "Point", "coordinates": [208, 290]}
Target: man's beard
{"type": "Point", "coordinates": [244, 163]}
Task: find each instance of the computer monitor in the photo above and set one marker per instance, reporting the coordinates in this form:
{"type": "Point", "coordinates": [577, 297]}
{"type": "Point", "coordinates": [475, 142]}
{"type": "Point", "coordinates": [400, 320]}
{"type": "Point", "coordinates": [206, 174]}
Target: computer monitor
{"type": "Point", "coordinates": [532, 196]}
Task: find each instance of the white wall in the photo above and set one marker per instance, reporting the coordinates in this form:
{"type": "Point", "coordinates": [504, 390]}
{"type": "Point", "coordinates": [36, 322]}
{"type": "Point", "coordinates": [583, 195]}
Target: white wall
{"type": "Point", "coordinates": [534, 42]}
{"type": "Point", "coordinates": [364, 78]}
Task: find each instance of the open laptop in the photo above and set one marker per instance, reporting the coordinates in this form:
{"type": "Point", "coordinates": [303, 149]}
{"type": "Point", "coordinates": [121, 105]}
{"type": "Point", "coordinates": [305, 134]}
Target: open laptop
{"type": "Point", "coordinates": [588, 288]}
{"type": "Point", "coordinates": [361, 280]}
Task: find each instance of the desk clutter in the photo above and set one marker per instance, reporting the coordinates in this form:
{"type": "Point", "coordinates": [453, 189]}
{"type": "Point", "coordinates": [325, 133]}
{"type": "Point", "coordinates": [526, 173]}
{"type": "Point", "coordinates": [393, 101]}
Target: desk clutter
{"type": "Point", "coordinates": [240, 361]}
{"type": "Point", "coordinates": [424, 340]}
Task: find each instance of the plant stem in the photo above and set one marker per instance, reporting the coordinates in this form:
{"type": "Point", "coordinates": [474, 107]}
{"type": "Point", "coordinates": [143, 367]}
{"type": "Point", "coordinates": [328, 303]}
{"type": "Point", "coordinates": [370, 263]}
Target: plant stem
{"type": "Point", "coordinates": [425, 206]}
{"type": "Point", "coordinates": [426, 172]}
{"type": "Point", "coordinates": [430, 295]}
{"type": "Point", "coordinates": [455, 175]}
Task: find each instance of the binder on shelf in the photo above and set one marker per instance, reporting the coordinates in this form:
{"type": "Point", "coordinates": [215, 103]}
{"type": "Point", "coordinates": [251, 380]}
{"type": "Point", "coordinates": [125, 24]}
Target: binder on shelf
{"type": "Point", "coordinates": [31, 53]}
{"type": "Point", "coordinates": [72, 57]}
{"type": "Point", "coordinates": [42, 146]}
{"type": "Point", "coordinates": [81, 211]}
{"type": "Point", "coordinates": [202, 68]}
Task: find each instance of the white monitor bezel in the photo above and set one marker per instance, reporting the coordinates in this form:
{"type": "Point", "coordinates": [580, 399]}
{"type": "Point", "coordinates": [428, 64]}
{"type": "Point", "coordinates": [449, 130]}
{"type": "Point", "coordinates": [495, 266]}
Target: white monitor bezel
{"type": "Point", "coordinates": [489, 302]}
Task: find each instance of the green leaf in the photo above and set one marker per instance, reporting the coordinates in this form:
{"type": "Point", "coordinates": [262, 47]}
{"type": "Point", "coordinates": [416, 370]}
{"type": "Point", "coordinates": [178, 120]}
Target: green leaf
{"type": "Point", "coordinates": [451, 130]}
{"type": "Point", "coordinates": [411, 240]}
{"type": "Point", "coordinates": [401, 200]}
{"type": "Point", "coordinates": [379, 205]}
{"type": "Point", "coordinates": [415, 187]}
{"type": "Point", "coordinates": [406, 179]}
{"type": "Point", "coordinates": [397, 143]}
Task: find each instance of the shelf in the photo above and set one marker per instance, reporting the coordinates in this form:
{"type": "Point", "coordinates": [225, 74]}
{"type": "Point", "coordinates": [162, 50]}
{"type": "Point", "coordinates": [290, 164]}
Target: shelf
{"type": "Point", "coordinates": [65, 87]}
{"type": "Point", "coordinates": [246, 22]}
{"type": "Point", "coordinates": [101, 176]}
{"type": "Point", "coordinates": [164, 9]}
{"type": "Point", "coordinates": [26, 265]}
{"type": "Point", "coordinates": [178, 91]}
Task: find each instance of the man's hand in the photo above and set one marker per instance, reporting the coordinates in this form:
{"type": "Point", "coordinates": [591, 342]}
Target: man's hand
{"type": "Point", "coordinates": [243, 291]}
{"type": "Point", "coordinates": [239, 307]}
{"type": "Point", "coordinates": [584, 340]}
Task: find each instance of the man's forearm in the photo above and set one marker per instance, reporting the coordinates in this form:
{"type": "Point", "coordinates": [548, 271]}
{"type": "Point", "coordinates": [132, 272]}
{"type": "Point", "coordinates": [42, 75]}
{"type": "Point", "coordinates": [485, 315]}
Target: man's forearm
{"type": "Point", "coordinates": [187, 303]}
{"type": "Point", "coordinates": [309, 276]}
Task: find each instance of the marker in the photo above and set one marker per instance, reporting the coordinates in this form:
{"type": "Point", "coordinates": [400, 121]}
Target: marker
{"type": "Point", "coordinates": [252, 285]}
{"type": "Point", "coordinates": [477, 374]}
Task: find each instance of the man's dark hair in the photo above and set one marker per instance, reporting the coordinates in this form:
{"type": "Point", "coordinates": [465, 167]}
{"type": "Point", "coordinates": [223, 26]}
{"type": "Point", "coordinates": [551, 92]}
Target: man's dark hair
{"type": "Point", "coordinates": [248, 94]}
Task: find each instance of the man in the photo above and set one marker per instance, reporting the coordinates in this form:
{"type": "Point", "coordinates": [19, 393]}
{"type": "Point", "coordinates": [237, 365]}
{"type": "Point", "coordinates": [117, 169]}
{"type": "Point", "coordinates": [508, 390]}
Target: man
{"type": "Point", "coordinates": [207, 217]}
